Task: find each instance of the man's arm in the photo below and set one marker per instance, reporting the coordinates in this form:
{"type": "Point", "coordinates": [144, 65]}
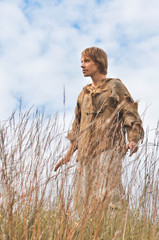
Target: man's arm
{"type": "Point", "coordinates": [73, 134]}
{"type": "Point", "coordinates": [130, 116]}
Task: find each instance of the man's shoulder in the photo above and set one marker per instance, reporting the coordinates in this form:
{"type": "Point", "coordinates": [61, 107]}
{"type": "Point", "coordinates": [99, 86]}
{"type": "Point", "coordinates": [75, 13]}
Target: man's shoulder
{"type": "Point", "coordinates": [81, 94]}
{"type": "Point", "coordinates": [114, 80]}
{"type": "Point", "coordinates": [105, 83]}
{"type": "Point", "coordinates": [86, 87]}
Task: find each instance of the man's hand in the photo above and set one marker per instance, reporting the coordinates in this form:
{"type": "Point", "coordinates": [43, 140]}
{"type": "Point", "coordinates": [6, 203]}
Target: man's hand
{"type": "Point", "coordinates": [133, 146]}
{"type": "Point", "coordinates": [66, 158]}
{"type": "Point", "coordinates": [59, 164]}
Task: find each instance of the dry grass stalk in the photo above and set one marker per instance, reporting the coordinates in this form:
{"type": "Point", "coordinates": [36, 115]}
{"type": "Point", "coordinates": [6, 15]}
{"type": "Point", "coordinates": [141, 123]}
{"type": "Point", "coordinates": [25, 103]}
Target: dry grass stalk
{"type": "Point", "coordinates": [36, 203]}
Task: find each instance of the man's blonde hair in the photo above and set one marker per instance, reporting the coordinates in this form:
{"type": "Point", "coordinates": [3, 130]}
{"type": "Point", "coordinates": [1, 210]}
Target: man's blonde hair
{"type": "Point", "coordinates": [98, 56]}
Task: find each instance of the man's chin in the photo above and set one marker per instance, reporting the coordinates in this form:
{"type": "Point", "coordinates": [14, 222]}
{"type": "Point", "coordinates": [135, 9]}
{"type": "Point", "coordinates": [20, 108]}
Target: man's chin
{"type": "Point", "coordinates": [85, 75]}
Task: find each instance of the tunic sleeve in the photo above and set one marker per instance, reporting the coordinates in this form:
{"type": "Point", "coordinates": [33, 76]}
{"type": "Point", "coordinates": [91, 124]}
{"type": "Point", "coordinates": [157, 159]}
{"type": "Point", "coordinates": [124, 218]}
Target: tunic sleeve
{"type": "Point", "coordinates": [131, 119]}
{"type": "Point", "coordinates": [73, 134]}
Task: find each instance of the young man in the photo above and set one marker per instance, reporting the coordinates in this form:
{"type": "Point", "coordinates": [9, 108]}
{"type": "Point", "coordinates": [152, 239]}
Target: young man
{"type": "Point", "coordinates": [105, 112]}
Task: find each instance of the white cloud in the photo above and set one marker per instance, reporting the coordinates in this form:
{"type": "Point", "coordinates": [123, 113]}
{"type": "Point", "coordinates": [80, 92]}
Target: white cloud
{"type": "Point", "coordinates": [41, 41]}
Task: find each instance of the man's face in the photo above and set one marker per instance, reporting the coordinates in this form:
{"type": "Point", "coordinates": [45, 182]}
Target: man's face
{"type": "Point", "coordinates": [89, 67]}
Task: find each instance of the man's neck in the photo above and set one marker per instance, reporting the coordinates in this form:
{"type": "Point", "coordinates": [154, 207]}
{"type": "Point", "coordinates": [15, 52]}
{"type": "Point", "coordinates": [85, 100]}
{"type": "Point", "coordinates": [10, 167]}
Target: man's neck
{"type": "Point", "coordinates": [97, 78]}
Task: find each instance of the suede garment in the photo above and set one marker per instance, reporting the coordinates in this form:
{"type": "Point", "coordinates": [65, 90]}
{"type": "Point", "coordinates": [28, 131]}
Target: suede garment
{"type": "Point", "coordinates": [94, 129]}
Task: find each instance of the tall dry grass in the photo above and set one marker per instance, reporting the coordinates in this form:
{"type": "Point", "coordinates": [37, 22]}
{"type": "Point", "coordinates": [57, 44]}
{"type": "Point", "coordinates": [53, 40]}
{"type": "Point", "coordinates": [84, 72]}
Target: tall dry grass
{"type": "Point", "coordinates": [37, 203]}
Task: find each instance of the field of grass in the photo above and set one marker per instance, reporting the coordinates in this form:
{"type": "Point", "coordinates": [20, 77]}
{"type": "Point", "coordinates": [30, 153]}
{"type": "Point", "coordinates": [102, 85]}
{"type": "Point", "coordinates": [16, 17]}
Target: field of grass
{"type": "Point", "coordinates": [37, 203]}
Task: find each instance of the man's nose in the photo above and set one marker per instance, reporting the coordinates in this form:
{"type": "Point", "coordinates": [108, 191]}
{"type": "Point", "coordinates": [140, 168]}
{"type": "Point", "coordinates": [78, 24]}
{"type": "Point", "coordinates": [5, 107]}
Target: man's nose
{"type": "Point", "coordinates": [82, 65]}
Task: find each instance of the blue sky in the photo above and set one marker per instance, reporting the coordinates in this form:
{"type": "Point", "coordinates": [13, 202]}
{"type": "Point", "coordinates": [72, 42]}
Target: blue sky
{"type": "Point", "coordinates": [41, 42]}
